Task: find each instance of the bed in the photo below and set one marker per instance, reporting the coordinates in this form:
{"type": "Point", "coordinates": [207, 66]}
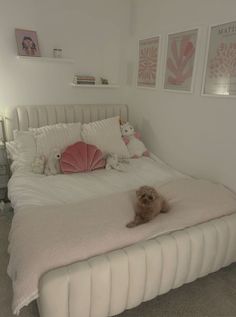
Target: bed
{"type": "Point", "coordinates": [111, 282]}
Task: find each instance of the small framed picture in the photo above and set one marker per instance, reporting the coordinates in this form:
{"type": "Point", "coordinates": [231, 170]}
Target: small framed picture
{"type": "Point", "coordinates": [147, 62]}
{"type": "Point", "coordinates": [220, 65]}
{"type": "Point", "coordinates": [27, 43]}
{"type": "Point", "coordinates": [180, 61]}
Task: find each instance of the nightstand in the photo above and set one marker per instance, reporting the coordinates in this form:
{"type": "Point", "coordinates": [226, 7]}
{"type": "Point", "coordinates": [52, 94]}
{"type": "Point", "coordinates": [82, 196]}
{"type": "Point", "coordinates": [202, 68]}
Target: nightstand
{"type": "Point", "coordinates": [4, 172]}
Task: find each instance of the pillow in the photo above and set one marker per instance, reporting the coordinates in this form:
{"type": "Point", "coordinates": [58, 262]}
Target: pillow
{"type": "Point", "coordinates": [106, 135]}
{"type": "Point", "coordinates": [22, 150]}
{"type": "Point", "coordinates": [56, 136]}
{"type": "Point", "coordinates": [44, 128]}
{"type": "Point", "coordinates": [81, 157]}
{"type": "Point", "coordinates": [11, 150]}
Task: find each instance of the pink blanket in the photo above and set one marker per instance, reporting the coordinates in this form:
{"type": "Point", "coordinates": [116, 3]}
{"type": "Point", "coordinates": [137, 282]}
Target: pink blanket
{"type": "Point", "coordinates": [44, 238]}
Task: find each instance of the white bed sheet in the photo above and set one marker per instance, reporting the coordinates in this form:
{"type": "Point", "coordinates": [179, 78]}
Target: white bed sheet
{"type": "Point", "coordinates": [28, 189]}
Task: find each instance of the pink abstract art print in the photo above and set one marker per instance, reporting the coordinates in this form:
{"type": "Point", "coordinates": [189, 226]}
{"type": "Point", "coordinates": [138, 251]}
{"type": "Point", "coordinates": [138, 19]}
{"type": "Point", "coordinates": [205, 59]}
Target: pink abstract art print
{"type": "Point", "coordinates": [147, 65]}
{"type": "Point", "coordinates": [180, 60]}
{"type": "Point", "coordinates": [220, 74]}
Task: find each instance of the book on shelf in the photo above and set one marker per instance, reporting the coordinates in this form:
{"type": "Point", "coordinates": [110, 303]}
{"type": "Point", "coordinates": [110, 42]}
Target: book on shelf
{"type": "Point", "coordinates": [85, 77]}
{"type": "Point", "coordinates": [84, 80]}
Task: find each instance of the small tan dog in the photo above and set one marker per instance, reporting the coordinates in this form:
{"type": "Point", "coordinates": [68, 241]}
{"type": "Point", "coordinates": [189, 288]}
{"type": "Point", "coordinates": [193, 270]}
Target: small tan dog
{"type": "Point", "coordinates": [149, 205]}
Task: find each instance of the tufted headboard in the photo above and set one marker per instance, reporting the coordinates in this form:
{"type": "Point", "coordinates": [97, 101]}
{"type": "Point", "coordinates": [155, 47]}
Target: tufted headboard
{"type": "Point", "coordinates": [25, 117]}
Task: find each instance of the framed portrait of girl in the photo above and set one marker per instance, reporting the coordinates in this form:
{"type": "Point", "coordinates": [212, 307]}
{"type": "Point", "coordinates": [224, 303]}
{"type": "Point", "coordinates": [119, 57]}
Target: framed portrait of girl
{"type": "Point", "coordinates": [27, 43]}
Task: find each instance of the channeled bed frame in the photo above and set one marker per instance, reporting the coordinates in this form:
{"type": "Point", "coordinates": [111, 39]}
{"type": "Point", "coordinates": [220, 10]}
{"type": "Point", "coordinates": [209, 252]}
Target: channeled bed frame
{"type": "Point", "coordinates": [108, 284]}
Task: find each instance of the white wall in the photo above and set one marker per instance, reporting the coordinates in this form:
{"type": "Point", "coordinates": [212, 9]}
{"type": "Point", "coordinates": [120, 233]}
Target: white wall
{"type": "Point", "coordinates": [192, 133]}
{"type": "Point", "coordinates": [88, 31]}
{"type": "Point", "coordinates": [195, 134]}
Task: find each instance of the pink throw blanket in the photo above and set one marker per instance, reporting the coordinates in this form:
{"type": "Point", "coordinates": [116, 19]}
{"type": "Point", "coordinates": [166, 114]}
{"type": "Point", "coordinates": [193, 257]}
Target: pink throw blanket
{"type": "Point", "coordinates": [45, 238]}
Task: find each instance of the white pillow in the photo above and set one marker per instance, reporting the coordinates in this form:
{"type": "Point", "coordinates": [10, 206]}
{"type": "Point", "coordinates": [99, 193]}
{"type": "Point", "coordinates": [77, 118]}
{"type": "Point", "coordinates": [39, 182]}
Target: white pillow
{"type": "Point", "coordinates": [11, 150]}
{"type": "Point", "coordinates": [22, 150]}
{"type": "Point", "coordinates": [56, 136]}
{"type": "Point", "coordinates": [44, 128]}
{"type": "Point", "coordinates": [106, 135]}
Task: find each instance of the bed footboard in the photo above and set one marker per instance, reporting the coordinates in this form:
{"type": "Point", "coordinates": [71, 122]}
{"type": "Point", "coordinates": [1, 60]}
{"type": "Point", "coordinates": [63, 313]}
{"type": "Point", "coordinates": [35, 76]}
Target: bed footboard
{"type": "Point", "coordinates": [108, 284]}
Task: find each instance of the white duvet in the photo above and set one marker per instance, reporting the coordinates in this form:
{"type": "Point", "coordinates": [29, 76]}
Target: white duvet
{"type": "Point", "coordinates": [56, 205]}
{"type": "Point", "coordinates": [28, 189]}
{"type": "Point", "coordinates": [44, 238]}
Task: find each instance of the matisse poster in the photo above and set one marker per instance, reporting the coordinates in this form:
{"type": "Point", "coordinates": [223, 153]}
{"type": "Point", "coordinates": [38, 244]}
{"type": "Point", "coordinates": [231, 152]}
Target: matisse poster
{"type": "Point", "coordinates": [180, 60]}
{"type": "Point", "coordinates": [220, 70]}
{"type": "Point", "coordinates": [147, 64]}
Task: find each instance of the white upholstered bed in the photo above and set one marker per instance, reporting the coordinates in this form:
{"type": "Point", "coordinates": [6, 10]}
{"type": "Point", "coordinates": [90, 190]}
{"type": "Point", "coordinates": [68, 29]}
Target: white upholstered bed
{"type": "Point", "coordinates": [107, 284]}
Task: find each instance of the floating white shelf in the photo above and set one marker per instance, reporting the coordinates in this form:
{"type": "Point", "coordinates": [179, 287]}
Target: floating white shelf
{"type": "Point", "coordinates": [46, 59]}
{"type": "Point", "coordinates": [95, 86]}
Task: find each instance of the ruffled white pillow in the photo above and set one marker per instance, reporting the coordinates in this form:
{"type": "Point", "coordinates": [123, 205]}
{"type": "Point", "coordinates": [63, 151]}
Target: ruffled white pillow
{"type": "Point", "coordinates": [22, 150]}
{"type": "Point", "coordinates": [106, 135]}
{"type": "Point", "coordinates": [56, 136]}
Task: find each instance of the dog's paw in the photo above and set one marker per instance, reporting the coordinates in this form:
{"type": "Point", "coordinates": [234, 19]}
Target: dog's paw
{"type": "Point", "coordinates": [165, 207]}
{"type": "Point", "coordinates": [131, 224]}
{"type": "Point", "coordinates": [164, 211]}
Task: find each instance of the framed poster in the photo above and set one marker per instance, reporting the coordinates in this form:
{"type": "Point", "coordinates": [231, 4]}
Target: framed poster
{"type": "Point", "coordinates": [220, 66]}
{"type": "Point", "coordinates": [147, 62]}
{"type": "Point", "coordinates": [180, 60]}
{"type": "Point", "coordinates": [27, 43]}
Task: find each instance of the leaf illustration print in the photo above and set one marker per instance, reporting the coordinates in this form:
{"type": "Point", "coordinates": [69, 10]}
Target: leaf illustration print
{"type": "Point", "coordinates": [179, 64]}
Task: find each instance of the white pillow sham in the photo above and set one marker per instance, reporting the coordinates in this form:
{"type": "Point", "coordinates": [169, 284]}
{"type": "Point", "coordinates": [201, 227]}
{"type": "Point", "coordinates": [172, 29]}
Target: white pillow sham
{"type": "Point", "coordinates": [56, 136]}
{"type": "Point", "coordinates": [22, 150]}
{"type": "Point", "coordinates": [11, 150]}
{"type": "Point", "coordinates": [106, 135]}
{"type": "Point", "coordinates": [44, 128]}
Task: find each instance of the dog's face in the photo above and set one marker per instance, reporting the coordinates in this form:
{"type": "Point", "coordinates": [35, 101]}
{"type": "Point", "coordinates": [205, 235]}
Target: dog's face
{"type": "Point", "coordinates": [146, 195]}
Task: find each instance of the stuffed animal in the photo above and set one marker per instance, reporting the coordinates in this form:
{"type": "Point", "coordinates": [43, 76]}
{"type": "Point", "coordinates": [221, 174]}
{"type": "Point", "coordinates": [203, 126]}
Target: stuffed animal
{"type": "Point", "coordinates": [52, 166]}
{"type": "Point", "coordinates": [113, 162]}
{"type": "Point", "coordinates": [135, 146]}
{"type": "Point", "coordinates": [38, 165]}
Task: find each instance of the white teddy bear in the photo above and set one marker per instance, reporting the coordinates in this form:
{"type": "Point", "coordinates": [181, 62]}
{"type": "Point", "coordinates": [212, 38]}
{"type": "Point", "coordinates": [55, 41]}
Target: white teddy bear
{"type": "Point", "coordinates": [52, 166]}
{"type": "Point", "coordinates": [135, 147]}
